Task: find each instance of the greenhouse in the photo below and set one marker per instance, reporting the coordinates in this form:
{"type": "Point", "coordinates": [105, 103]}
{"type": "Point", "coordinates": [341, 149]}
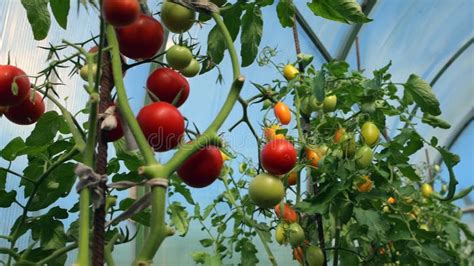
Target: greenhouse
{"type": "Point", "coordinates": [232, 132]}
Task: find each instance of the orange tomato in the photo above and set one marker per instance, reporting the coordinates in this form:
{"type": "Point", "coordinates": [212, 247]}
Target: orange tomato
{"type": "Point", "coordinates": [338, 135]}
{"type": "Point", "coordinates": [298, 254]}
{"type": "Point", "coordinates": [365, 186]}
{"type": "Point", "coordinates": [282, 113]}
{"type": "Point", "coordinates": [289, 214]}
{"type": "Point", "coordinates": [392, 200]}
{"type": "Point", "coordinates": [270, 133]}
{"type": "Point", "coordinates": [292, 178]}
{"type": "Point", "coordinates": [312, 157]}
{"type": "Point", "coordinates": [382, 251]}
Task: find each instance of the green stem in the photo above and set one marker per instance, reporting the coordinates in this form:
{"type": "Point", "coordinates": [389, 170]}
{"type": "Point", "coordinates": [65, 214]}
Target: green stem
{"type": "Point", "coordinates": [10, 253]}
{"type": "Point", "coordinates": [17, 174]}
{"type": "Point", "coordinates": [57, 253]}
{"type": "Point", "coordinates": [336, 239]}
{"type": "Point", "coordinates": [109, 259]}
{"type": "Point", "coordinates": [302, 140]}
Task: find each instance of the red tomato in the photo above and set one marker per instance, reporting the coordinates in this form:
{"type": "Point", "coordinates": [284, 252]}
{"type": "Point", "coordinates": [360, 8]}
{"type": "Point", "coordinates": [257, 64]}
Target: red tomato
{"type": "Point", "coordinates": [142, 39]}
{"type": "Point", "coordinates": [8, 75]}
{"type": "Point", "coordinates": [162, 124]}
{"type": "Point", "coordinates": [113, 134]}
{"type": "Point", "coordinates": [28, 112]}
{"type": "Point", "coordinates": [278, 157]}
{"type": "Point", "coordinates": [202, 168]}
{"type": "Point", "coordinates": [120, 13]}
{"type": "Point", "coordinates": [289, 214]}
{"type": "Point", "coordinates": [166, 84]}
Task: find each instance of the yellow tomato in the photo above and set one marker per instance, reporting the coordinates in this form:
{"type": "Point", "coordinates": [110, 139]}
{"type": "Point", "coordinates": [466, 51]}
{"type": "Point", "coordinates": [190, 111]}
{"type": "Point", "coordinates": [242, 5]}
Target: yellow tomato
{"type": "Point", "coordinates": [282, 113]}
{"type": "Point", "coordinates": [290, 72]}
{"type": "Point", "coordinates": [365, 186]}
{"type": "Point", "coordinates": [392, 200]}
{"type": "Point", "coordinates": [270, 133]}
{"type": "Point", "coordinates": [426, 190]}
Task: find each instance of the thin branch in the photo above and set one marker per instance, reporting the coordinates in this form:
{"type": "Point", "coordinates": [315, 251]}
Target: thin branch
{"type": "Point", "coordinates": [18, 175]}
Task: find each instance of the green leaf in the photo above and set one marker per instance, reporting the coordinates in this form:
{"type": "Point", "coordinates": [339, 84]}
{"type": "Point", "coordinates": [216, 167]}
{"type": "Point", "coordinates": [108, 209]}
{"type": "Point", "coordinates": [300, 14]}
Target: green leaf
{"type": "Point", "coordinates": [252, 29]}
{"type": "Point", "coordinates": [45, 130]}
{"type": "Point", "coordinates": [7, 198]}
{"type": "Point", "coordinates": [265, 2]}
{"type": "Point", "coordinates": [318, 84]}
{"type": "Point", "coordinates": [216, 45]}
{"type": "Point", "coordinates": [13, 148]}
{"type": "Point", "coordinates": [207, 242]}
{"type": "Point", "coordinates": [60, 10]}
{"type": "Point", "coordinates": [423, 95]}
{"type": "Point", "coordinates": [376, 226]}
{"type": "Point", "coordinates": [450, 160]}
{"type": "Point", "coordinates": [339, 10]}
{"type": "Point", "coordinates": [179, 217]}
{"type": "Point", "coordinates": [248, 252]}
{"type": "Point", "coordinates": [38, 16]}
{"type": "Point", "coordinates": [213, 260]}
{"type": "Point", "coordinates": [286, 13]}
{"type": "Point", "coordinates": [232, 20]}
{"type": "Point", "coordinates": [431, 252]}
{"type": "Point", "coordinates": [435, 121]}
{"type": "Point", "coordinates": [3, 178]}
{"type": "Point", "coordinates": [337, 68]}
{"type": "Point", "coordinates": [53, 235]}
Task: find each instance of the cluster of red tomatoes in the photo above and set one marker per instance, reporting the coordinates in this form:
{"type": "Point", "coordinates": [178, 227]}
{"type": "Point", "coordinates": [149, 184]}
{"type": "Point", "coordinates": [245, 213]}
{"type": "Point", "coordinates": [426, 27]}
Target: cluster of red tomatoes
{"type": "Point", "coordinates": [140, 37]}
{"type": "Point", "coordinates": [17, 101]}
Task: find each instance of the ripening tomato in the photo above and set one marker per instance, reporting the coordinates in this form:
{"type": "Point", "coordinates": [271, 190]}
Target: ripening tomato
{"type": "Point", "coordinates": [27, 112]}
{"type": "Point", "coordinates": [292, 178]}
{"type": "Point", "coordinates": [314, 256]}
{"type": "Point", "coordinates": [177, 18]}
{"type": "Point", "coordinates": [162, 124]}
{"type": "Point", "coordinates": [392, 200]}
{"type": "Point", "coordinates": [426, 190]}
{"type": "Point", "coordinates": [290, 72]}
{"type": "Point", "coordinates": [280, 233]}
{"type": "Point", "coordinates": [202, 168]}
{"type": "Point", "coordinates": [289, 214]}
{"type": "Point", "coordinates": [119, 13]}
{"type": "Point", "coordinates": [11, 95]}
{"type": "Point", "coordinates": [295, 234]}
{"type": "Point", "coordinates": [178, 57]}
{"type": "Point", "coordinates": [113, 134]}
{"type": "Point", "coordinates": [278, 157]}
{"type": "Point", "coordinates": [298, 254]}
{"type": "Point", "coordinates": [329, 103]}
{"type": "Point", "coordinates": [3, 110]}
{"type": "Point", "coordinates": [165, 84]}
{"type": "Point", "coordinates": [270, 133]}
{"type": "Point", "coordinates": [366, 185]}
{"type": "Point", "coordinates": [282, 113]}
{"type": "Point", "coordinates": [364, 156]}
{"type": "Point", "coordinates": [338, 135]}
{"type": "Point", "coordinates": [192, 69]}
{"type": "Point", "coordinates": [370, 133]}
{"type": "Point", "coordinates": [266, 190]}
{"type": "Point", "coordinates": [142, 39]}
{"type": "Point", "coordinates": [312, 157]}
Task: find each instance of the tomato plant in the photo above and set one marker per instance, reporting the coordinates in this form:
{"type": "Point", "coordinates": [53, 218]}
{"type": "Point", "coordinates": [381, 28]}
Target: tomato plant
{"type": "Point", "coordinates": [334, 185]}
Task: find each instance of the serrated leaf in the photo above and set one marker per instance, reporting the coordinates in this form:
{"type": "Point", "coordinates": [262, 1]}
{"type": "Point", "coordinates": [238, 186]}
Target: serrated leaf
{"type": "Point", "coordinates": [248, 252]}
{"type": "Point", "coordinates": [286, 13]}
{"type": "Point", "coordinates": [216, 45]}
{"type": "Point", "coordinates": [60, 10]}
{"type": "Point", "coordinates": [337, 68]}
{"type": "Point", "coordinates": [423, 95]}
{"type": "Point", "coordinates": [252, 29]}
{"type": "Point", "coordinates": [179, 218]}
{"type": "Point", "coordinates": [7, 198]}
{"type": "Point", "coordinates": [318, 85]}
{"type": "Point", "coordinates": [38, 16]}
{"type": "Point", "coordinates": [45, 129]}
{"type": "Point", "coordinates": [376, 226]}
{"type": "Point", "coordinates": [435, 121]}
{"type": "Point", "coordinates": [339, 10]}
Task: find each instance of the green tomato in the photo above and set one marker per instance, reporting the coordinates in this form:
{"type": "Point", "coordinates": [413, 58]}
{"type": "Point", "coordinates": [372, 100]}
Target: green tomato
{"type": "Point", "coordinates": [345, 211]}
{"type": "Point", "coordinates": [179, 57]}
{"type": "Point", "coordinates": [368, 107]}
{"type": "Point", "coordinates": [329, 103]}
{"type": "Point", "coordinates": [426, 190]}
{"type": "Point", "coordinates": [337, 153]}
{"type": "Point", "coordinates": [424, 227]}
{"type": "Point", "coordinates": [305, 107]}
{"type": "Point", "coordinates": [314, 256]}
{"type": "Point", "coordinates": [280, 233]}
{"type": "Point", "coordinates": [315, 104]}
{"type": "Point", "coordinates": [295, 234]}
{"type": "Point", "coordinates": [266, 190]}
{"type": "Point", "coordinates": [364, 156]}
{"type": "Point", "coordinates": [192, 69]}
{"type": "Point", "coordinates": [348, 145]}
{"type": "Point", "coordinates": [84, 72]}
{"type": "Point", "coordinates": [437, 168]}
{"type": "Point", "coordinates": [177, 18]}
{"type": "Point", "coordinates": [370, 133]}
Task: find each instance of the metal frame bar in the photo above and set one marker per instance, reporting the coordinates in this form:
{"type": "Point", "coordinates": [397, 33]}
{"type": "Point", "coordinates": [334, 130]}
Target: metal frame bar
{"type": "Point", "coordinates": [367, 7]}
{"type": "Point", "coordinates": [312, 36]}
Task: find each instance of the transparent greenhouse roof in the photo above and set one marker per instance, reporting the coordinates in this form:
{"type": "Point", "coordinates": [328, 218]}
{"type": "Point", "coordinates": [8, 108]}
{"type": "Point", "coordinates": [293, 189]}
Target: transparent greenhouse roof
{"type": "Point", "coordinates": [418, 36]}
